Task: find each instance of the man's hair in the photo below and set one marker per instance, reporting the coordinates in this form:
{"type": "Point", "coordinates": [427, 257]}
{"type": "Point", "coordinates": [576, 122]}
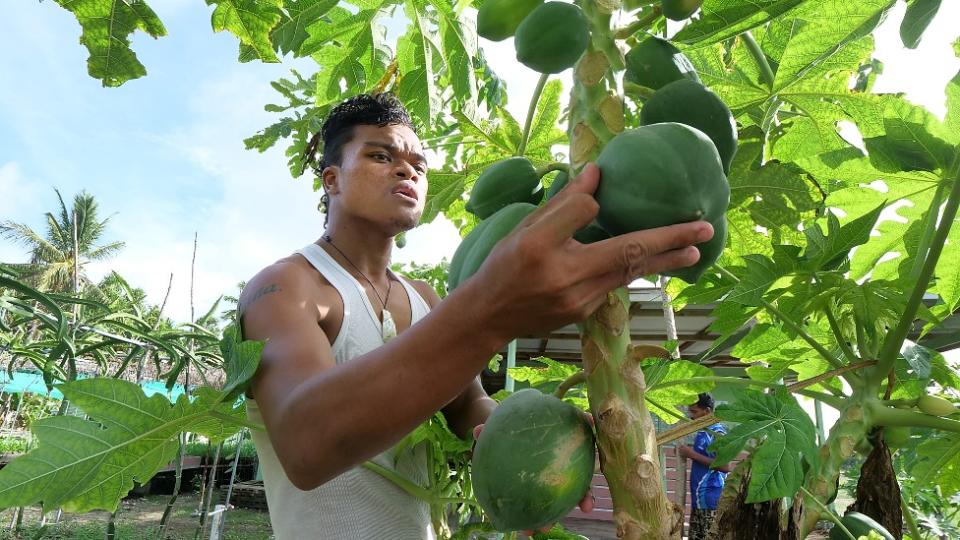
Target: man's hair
{"type": "Point", "coordinates": [705, 401]}
{"type": "Point", "coordinates": [382, 109]}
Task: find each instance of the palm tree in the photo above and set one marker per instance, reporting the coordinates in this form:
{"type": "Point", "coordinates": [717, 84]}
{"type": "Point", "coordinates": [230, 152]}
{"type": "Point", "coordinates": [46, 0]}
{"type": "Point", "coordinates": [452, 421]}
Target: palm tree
{"type": "Point", "coordinates": [52, 265]}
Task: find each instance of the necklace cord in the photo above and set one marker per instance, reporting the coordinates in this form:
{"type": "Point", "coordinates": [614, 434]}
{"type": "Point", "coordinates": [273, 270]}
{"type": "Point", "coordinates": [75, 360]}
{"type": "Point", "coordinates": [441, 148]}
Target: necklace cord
{"type": "Point", "coordinates": [329, 240]}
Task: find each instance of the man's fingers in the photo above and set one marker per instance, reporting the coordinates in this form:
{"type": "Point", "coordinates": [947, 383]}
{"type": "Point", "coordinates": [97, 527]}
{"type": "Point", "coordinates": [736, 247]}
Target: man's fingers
{"type": "Point", "coordinates": [647, 252]}
{"type": "Point", "coordinates": [594, 289]}
{"type": "Point", "coordinates": [585, 182]}
{"type": "Point", "coordinates": [558, 221]}
{"type": "Point", "coordinates": [588, 502]}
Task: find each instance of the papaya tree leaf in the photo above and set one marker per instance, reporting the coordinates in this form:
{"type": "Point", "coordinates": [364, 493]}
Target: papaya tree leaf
{"type": "Point", "coordinates": [544, 132]}
{"type": "Point", "coordinates": [762, 272]}
{"type": "Point", "coordinates": [84, 465]}
{"type": "Point", "coordinates": [823, 252]}
{"type": "Point", "coordinates": [723, 19]}
{"type": "Point", "coordinates": [251, 21]}
{"type": "Point", "coordinates": [291, 32]}
{"type": "Point", "coordinates": [785, 437]}
{"type": "Point", "coordinates": [240, 361]}
{"type": "Point", "coordinates": [664, 400]}
{"type": "Point", "coordinates": [938, 463]}
{"type": "Point", "coordinates": [107, 26]}
{"type": "Point", "coordinates": [552, 374]}
{"type": "Point", "coordinates": [915, 21]}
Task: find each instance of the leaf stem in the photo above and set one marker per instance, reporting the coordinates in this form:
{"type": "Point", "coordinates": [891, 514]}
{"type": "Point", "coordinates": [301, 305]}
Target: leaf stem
{"type": "Point", "coordinates": [531, 112]}
{"type": "Point", "coordinates": [830, 515]}
{"type": "Point", "coordinates": [237, 421]}
{"type": "Point", "coordinates": [929, 228]}
{"type": "Point", "coordinates": [571, 381]}
{"type": "Point", "coordinates": [401, 482]}
{"type": "Point", "coordinates": [837, 333]}
{"type": "Point", "coordinates": [639, 24]}
{"type": "Point", "coordinates": [888, 416]}
{"type": "Point", "coordinates": [894, 341]}
{"type": "Point", "coordinates": [681, 431]}
{"type": "Point", "coordinates": [908, 516]}
{"type": "Point", "coordinates": [667, 410]}
{"type": "Point", "coordinates": [788, 322]}
{"type": "Point", "coordinates": [766, 74]}
{"type": "Point", "coordinates": [727, 380]}
{"type": "Point", "coordinates": [547, 169]}
{"type": "Point", "coordinates": [833, 401]}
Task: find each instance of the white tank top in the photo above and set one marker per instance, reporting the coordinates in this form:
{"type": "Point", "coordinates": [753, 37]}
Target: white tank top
{"type": "Point", "coordinates": [359, 504]}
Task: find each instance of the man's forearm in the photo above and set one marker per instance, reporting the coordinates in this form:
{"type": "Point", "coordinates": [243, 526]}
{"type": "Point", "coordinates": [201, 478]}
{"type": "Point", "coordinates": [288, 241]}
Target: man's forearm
{"type": "Point", "coordinates": [471, 415]}
{"type": "Point", "coordinates": [356, 410]}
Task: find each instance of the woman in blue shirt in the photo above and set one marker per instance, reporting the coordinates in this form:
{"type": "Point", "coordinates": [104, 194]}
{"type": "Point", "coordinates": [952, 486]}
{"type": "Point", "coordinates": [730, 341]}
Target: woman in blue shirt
{"type": "Point", "coordinates": [706, 482]}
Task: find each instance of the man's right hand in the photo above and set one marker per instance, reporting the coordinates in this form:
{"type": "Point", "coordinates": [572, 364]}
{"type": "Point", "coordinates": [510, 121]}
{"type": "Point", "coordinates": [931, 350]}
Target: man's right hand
{"type": "Point", "coordinates": [539, 278]}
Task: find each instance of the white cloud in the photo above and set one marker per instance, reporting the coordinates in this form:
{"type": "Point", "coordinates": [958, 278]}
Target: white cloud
{"type": "Point", "coordinates": [17, 201]}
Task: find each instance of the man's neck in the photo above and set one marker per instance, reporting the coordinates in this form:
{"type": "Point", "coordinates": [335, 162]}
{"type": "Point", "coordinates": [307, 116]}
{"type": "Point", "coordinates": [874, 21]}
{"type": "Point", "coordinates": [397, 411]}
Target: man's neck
{"type": "Point", "coordinates": [367, 250]}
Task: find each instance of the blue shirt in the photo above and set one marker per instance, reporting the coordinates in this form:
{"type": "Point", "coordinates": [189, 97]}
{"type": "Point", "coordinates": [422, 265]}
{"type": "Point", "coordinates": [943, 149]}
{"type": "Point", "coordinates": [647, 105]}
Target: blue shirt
{"type": "Point", "coordinates": [706, 483]}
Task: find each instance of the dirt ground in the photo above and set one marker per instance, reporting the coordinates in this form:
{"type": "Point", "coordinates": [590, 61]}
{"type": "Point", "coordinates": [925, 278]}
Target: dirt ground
{"type": "Point", "coordinates": [138, 520]}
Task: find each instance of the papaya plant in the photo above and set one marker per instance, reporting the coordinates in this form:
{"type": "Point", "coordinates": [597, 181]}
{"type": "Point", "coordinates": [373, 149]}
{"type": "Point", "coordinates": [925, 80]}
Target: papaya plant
{"type": "Point", "coordinates": [739, 110]}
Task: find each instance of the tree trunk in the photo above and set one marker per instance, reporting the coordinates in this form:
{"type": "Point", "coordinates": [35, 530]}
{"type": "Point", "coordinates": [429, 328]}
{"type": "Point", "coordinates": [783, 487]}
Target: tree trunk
{"type": "Point", "coordinates": [878, 492]}
{"type": "Point", "coordinates": [738, 520]}
{"type": "Point", "coordinates": [626, 436]}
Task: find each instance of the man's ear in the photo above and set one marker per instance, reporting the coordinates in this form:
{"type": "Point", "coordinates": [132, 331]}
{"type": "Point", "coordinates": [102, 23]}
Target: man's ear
{"type": "Point", "coordinates": [331, 179]}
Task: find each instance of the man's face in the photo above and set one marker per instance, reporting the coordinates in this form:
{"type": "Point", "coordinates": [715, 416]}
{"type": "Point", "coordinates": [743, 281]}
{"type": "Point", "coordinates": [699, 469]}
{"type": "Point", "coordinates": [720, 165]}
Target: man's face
{"type": "Point", "coordinates": [382, 177]}
{"type": "Point", "coordinates": [696, 411]}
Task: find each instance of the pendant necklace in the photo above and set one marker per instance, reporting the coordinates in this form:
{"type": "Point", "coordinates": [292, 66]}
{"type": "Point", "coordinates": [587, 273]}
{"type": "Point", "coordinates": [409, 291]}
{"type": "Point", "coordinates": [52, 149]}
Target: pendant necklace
{"type": "Point", "coordinates": [388, 329]}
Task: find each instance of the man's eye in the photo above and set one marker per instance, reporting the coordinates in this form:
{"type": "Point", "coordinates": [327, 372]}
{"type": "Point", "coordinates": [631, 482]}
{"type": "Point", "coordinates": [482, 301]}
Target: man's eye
{"type": "Point", "coordinates": [382, 156]}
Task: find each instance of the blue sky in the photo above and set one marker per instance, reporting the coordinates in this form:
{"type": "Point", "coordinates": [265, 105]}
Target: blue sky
{"type": "Point", "coordinates": [164, 154]}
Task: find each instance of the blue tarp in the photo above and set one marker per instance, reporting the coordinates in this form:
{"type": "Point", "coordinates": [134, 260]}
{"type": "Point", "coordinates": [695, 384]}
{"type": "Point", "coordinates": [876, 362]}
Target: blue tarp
{"type": "Point", "coordinates": [33, 383]}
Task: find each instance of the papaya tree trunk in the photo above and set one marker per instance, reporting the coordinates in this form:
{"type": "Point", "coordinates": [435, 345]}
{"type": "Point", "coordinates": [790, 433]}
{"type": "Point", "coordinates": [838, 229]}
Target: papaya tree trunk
{"type": "Point", "coordinates": [738, 520]}
{"type": "Point", "coordinates": [850, 430]}
{"type": "Point", "coordinates": [626, 436]}
{"type": "Point", "coordinates": [878, 492]}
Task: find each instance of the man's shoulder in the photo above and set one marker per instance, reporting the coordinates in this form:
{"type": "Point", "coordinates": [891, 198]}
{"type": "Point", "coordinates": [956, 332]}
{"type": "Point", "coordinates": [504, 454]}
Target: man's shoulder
{"type": "Point", "coordinates": [718, 428]}
{"type": "Point", "coordinates": [426, 291]}
{"type": "Point", "coordinates": [292, 274]}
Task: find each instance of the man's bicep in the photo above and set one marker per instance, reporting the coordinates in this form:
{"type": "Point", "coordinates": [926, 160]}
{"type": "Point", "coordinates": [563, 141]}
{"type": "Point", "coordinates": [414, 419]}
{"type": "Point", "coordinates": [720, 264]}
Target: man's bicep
{"type": "Point", "coordinates": [296, 346]}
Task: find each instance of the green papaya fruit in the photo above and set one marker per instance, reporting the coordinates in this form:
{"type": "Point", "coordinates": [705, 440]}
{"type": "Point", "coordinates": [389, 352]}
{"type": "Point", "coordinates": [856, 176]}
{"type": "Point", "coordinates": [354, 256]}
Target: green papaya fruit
{"type": "Point", "coordinates": [691, 103]}
{"type": "Point", "coordinates": [859, 525]}
{"type": "Point", "coordinates": [896, 437]}
{"type": "Point", "coordinates": [533, 461]}
{"type": "Point", "coordinates": [655, 63]}
{"type": "Point", "coordinates": [593, 232]}
{"type": "Point", "coordinates": [485, 237]}
{"type": "Point", "coordinates": [498, 19]}
{"type": "Point", "coordinates": [678, 10]}
{"type": "Point", "coordinates": [936, 406]}
{"type": "Point", "coordinates": [460, 255]}
{"type": "Point", "coordinates": [710, 252]}
{"type": "Point", "coordinates": [659, 175]}
{"type": "Point", "coordinates": [507, 181]}
{"type": "Point", "coordinates": [558, 183]}
{"type": "Point", "coordinates": [552, 37]}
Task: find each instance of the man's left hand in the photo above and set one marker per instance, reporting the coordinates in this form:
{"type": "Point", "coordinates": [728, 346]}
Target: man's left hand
{"type": "Point", "coordinates": [684, 451]}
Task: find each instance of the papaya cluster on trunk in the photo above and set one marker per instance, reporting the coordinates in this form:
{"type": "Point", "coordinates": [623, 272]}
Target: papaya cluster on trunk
{"type": "Point", "coordinates": [663, 174]}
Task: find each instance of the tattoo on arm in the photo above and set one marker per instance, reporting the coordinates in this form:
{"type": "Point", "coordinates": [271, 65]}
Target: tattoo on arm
{"type": "Point", "coordinates": [261, 292]}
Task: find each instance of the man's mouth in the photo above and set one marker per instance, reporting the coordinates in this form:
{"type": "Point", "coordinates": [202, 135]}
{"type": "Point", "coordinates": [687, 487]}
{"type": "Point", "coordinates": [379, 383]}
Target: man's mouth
{"type": "Point", "coordinates": [406, 191]}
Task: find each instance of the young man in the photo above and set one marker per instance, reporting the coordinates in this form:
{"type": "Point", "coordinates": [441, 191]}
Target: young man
{"type": "Point", "coordinates": [356, 357]}
{"type": "Point", "coordinates": [706, 482]}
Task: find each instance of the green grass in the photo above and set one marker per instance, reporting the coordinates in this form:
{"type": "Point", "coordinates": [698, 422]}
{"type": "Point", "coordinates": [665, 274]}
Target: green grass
{"type": "Point", "coordinates": [138, 520]}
